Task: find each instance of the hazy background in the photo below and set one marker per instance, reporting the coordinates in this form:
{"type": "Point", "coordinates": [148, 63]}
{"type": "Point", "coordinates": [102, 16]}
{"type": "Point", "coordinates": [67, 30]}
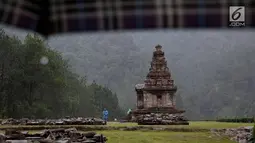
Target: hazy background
{"type": "Point", "coordinates": [213, 69]}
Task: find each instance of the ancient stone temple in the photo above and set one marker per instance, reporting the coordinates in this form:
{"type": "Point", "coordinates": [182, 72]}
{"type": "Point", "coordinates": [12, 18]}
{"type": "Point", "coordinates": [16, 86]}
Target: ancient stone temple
{"type": "Point", "coordinates": [156, 96]}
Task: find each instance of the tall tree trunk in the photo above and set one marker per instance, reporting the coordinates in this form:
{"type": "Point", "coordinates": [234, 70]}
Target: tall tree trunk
{"type": "Point", "coordinates": [30, 98]}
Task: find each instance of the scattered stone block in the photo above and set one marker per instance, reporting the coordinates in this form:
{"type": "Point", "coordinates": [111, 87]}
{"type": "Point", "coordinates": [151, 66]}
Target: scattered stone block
{"type": "Point", "coordinates": [240, 135]}
{"type": "Point", "coordinates": [52, 136]}
{"type": "Point", "coordinates": [64, 121]}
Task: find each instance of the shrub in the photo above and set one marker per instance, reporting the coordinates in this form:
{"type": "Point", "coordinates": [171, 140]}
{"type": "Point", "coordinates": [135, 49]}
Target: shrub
{"type": "Point", "coordinates": [236, 120]}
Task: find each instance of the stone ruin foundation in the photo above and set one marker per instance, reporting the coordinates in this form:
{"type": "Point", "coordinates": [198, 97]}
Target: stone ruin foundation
{"type": "Point", "coordinates": [63, 121]}
{"type": "Point", "coordinates": [240, 135]}
{"type": "Point", "coordinates": [52, 136]}
{"type": "Point", "coordinates": [161, 119]}
{"type": "Point", "coordinates": [156, 96]}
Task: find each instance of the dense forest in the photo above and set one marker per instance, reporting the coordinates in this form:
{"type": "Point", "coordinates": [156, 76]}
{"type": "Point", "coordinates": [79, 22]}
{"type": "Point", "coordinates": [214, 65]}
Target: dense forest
{"type": "Point", "coordinates": [36, 82]}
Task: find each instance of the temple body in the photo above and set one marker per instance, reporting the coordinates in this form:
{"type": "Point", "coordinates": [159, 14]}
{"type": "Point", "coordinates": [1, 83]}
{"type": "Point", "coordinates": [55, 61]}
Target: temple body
{"type": "Point", "coordinates": [157, 93]}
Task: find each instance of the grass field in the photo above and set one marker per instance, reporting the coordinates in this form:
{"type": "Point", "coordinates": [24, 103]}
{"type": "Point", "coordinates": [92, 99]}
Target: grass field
{"type": "Point", "coordinates": [116, 125]}
{"type": "Point", "coordinates": [190, 134]}
{"type": "Point", "coordinates": [171, 137]}
{"type": "Point", "coordinates": [193, 124]}
{"type": "Point", "coordinates": [162, 137]}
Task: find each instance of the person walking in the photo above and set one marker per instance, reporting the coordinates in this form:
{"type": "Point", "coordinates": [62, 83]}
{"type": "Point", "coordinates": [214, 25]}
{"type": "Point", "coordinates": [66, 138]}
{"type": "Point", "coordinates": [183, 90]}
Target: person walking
{"type": "Point", "coordinates": [128, 112]}
{"type": "Point", "coordinates": [129, 117]}
{"type": "Point", "coordinates": [105, 115]}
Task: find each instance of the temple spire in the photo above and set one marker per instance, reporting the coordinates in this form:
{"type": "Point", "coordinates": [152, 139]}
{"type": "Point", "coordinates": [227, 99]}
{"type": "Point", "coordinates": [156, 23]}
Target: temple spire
{"type": "Point", "coordinates": [159, 47]}
{"type": "Point", "coordinates": [159, 74]}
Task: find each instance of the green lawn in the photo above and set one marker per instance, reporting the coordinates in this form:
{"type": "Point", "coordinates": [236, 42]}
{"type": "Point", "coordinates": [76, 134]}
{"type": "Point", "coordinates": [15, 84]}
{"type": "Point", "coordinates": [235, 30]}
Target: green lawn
{"type": "Point", "coordinates": [171, 137]}
{"type": "Point", "coordinates": [193, 124]}
{"type": "Point", "coordinates": [191, 135]}
{"type": "Point", "coordinates": [162, 137]}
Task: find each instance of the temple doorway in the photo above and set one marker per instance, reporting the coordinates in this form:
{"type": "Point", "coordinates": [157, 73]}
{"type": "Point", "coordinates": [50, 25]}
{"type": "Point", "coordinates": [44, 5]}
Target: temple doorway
{"type": "Point", "coordinates": [159, 100]}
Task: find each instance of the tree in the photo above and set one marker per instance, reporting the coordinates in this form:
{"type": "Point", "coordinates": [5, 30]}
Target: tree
{"type": "Point", "coordinates": [37, 82]}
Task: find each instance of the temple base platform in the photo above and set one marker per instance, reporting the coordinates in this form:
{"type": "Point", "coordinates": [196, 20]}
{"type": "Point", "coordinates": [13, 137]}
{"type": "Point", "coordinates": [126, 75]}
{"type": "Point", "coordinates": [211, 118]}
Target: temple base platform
{"type": "Point", "coordinates": [163, 116]}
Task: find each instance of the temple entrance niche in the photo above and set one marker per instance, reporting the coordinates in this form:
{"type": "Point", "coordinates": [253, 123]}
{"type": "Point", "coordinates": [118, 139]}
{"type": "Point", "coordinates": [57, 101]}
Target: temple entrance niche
{"type": "Point", "coordinates": [159, 100]}
{"type": "Point", "coordinates": [140, 101]}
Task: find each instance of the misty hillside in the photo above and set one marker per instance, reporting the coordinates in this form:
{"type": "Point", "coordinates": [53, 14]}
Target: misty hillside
{"type": "Point", "coordinates": [214, 71]}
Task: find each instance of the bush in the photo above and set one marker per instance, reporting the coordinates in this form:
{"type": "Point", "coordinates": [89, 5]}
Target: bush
{"type": "Point", "coordinates": [237, 120]}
